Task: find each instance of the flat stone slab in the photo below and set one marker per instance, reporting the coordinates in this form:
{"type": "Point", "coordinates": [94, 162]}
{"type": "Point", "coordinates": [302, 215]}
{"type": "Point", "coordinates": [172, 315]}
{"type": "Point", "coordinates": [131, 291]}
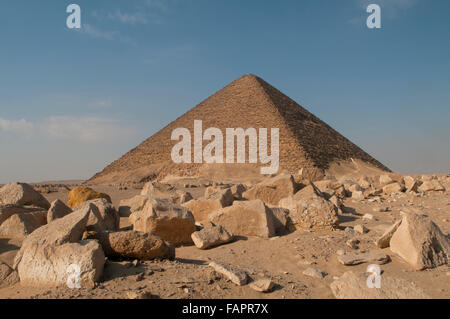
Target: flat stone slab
{"type": "Point", "coordinates": [237, 276]}
{"type": "Point", "coordinates": [350, 259]}
{"type": "Point", "coordinates": [352, 285]}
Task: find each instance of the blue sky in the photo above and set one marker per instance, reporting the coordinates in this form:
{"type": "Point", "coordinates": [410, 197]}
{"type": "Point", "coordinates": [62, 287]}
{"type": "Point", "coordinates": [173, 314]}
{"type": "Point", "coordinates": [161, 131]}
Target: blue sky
{"type": "Point", "coordinates": [72, 101]}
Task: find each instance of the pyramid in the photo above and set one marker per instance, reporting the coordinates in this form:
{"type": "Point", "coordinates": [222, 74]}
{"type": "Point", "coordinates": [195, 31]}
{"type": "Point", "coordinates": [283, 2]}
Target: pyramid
{"type": "Point", "coordinates": [248, 102]}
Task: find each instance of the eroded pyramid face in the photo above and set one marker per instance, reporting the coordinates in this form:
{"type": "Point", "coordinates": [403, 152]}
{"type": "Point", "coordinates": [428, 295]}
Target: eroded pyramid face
{"type": "Point", "coordinates": [294, 138]}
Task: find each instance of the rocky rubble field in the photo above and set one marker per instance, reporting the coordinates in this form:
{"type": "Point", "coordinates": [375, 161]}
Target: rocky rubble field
{"type": "Point", "coordinates": [282, 237]}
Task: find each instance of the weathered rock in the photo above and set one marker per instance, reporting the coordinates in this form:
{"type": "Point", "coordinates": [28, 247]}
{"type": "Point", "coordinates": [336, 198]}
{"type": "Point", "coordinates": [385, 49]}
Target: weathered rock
{"type": "Point", "coordinates": [355, 188]}
{"type": "Point", "coordinates": [385, 239]}
{"type": "Point", "coordinates": [211, 190]}
{"type": "Point", "coordinates": [211, 236]}
{"type": "Point", "coordinates": [280, 220]}
{"type": "Point", "coordinates": [420, 242]}
{"type": "Point", "coordinates": [156, 189]}
{"type": "Point", "coordinates": [446, 183]}
{"type": "Point", "coordinates": [131, 205]}
{"type": "Point", "coordinates": [431, 185]}
{"type": "Point", "coordinates": [171, 222]}
{"type": "Point", "coordinates": [246, 218]}
{"type": "Point", "coordinates": [81, 194]}
{"type": "Point", "coordinates": [201, 208]}
{"type": "Point", "coordinates": [307, 192]}
{"type": "Point", "coordinates": [48, 265]}
{"type": "Point", "coordinates": [103, 217]}
{"type": "Point", "coordinates": [350, 259]}
{"type": "Point", "coordinates": [336, 201]}
{"type": "Point", "coordinates": [138, 295]}
{"type": "Point", "coordinates": [385, 180]}
{"type": "Point", "coordinates": [68, 229]}
{"type": "Point", "coordinates": [352, 243]}
{"type": "Point", "coordinates": [411, 184]}
{"type": "Point", "coordinates": [6, 211]}
{"type": "Point", "coordinates": [134, 245]}
{"type": "Point", "coordinates": [272, 190]}
{"type": "Point", "coordinates": [22, 194]}
{"type": "Point", "coordinates": [358, 195]}
{"type": "Point", "coordinates": [314, 212]}
{"type": "Point", "coordinates": [365, 182]}
{"type": "Point", "coordinates": [8, 276]}
{"type": "Point", "coordinates": [237, 276]}
{"type": "Point", "coordinates": [360, 229]}
{"type": "Point", "coordinates": [57, 210]}
{"type": "Point", "coordinates": [166, 192]}
{"type": "Point", "coordinates": [326, 184]}
{"type": "Point", "coordinates": [262, 285]}
{"type": "Point", "coordinates": [237, 191]}
{"type": "Point", "coordinates": [352, 285]}
{"type": "Point", "coordinates": [393, 188]}
{"type": "Point", "coordinates": [314, 272]}
{"type": "Point", "coordinates": [19, 226]}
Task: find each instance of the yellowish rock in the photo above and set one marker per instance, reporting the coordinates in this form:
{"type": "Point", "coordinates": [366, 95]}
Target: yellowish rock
{"type": "Point", "coordinates": [82, 194]}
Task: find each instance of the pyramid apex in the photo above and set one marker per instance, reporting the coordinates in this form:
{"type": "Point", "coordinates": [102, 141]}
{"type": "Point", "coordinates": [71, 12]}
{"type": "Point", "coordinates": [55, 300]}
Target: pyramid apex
{"type": "Point", "coordinates": [251, 75]}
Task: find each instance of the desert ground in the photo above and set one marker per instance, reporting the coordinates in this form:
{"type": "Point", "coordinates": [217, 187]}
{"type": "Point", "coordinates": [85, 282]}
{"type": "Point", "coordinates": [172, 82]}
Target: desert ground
{"type": "Point", "coordinates": [301, 263]}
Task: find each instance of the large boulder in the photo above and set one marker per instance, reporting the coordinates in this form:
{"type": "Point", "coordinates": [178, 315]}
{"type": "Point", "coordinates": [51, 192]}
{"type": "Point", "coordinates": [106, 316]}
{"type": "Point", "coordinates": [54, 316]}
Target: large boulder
{"type": "Point", "coordinates": [57, 210]}
{"type": "Point", "coordinates": [171, 222]}
{"type": "Point", "coordinates": [307, 192]}
{"type": "Point", "coordinates": [431, 185]}
{"type": "Point", "coordinates": [68, 229]}
{"type": "Point", "coordinates": [201, 208]}
{"type": "Point", "coordinates": [51, 265]}
{"type": "Point", "coordinates": [246, 218]}
{"type": "Point", "coordinates": [353, 285]}
{"type": "Point", "coordinates": [411, 184]}
{"type": "Point", "coordinates": [393, 188]}
{"type": "Point", "coordinates": [103, 217]}
{"type": "Point", "coordinates": [420, 242]}
{"type": "Point", "coordinates": [385, 239]}
{"type": "Point", "coordinates": [131, 205]}
{"type": "Point", "coordinates": [312, 211]}
{"type": "Point", "coordinates": [8, 276]}
{"type": "Point", "coordinates": [81, 194]}
{"type": "Point", "coordinates": [133, 244]}
{"type": "Point", "coordinates": [166, 192]}
{"type": "Point", "coordinates": [22, 194]}
{"type": "Point", "coordinates": [19, 226]}
{"type": "Point", "coordinates": [272, 190]}
{"type": "Point", "coordinates": [211, 236]}
{"type": "Point", "coordinates": [385, 180]}
{"type": "Point", "coordinates": [6, 211]}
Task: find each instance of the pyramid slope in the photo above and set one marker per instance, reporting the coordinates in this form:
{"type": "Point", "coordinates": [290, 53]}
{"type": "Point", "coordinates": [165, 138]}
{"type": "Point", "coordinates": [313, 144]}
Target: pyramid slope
{"type": "Point", "coordinates": [305, 140]}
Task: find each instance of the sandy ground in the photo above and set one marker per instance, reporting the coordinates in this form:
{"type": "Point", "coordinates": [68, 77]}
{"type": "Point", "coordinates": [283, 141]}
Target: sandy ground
{"type": "Point", "coordinates": [281, 258]}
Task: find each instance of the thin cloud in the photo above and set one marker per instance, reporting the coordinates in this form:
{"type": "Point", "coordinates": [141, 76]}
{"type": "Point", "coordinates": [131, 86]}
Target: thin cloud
{"type": "Point", "coordinates": [146, 12]}
{"type": "Point", "coordinates": [21, 127]}
{"type": "Point", "coordinates": [81, 129]}
{"type": "Point", "coordinates": [96, 33]}
{"type": "Point", "coordinates": [129, 18]}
